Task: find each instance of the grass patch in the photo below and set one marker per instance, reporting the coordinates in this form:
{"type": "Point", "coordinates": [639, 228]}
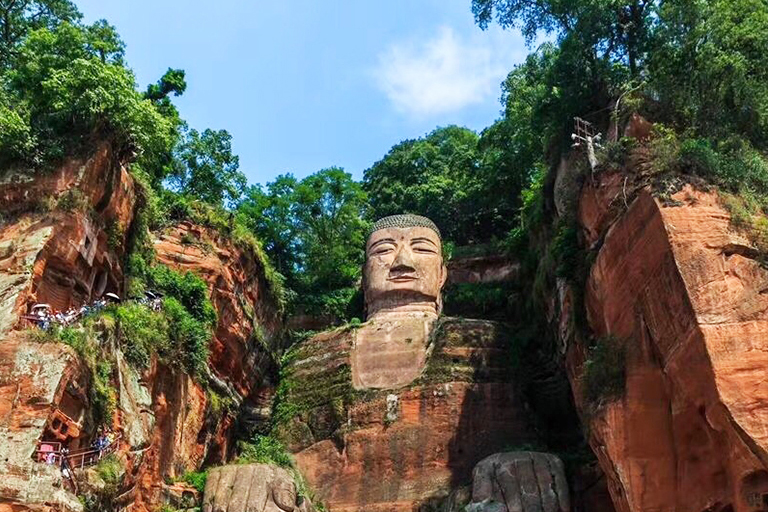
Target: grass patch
{"type": "Point", "coordinates": [110, 469]}
{"type": "Point", "coordinates": [196, 479]}
{"type": "Point", "coordinates": [478, 300]}
{"type": "Point", "coordinates": [748, 214]}
{"type": "Point", "coordinates": [264, 450]}
{"type": "Point", "coordinates": [73, 200]}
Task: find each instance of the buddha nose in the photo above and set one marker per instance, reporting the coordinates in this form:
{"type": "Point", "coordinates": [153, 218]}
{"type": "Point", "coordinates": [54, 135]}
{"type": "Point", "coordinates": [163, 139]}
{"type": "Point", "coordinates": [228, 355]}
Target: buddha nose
{"type": "Point", "coordinates": [404, 260]}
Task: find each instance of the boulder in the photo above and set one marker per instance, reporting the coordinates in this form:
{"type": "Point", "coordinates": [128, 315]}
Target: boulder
{"type": "Point", "coordinates": [519, 482]}
{"type": "Point", "coordinates": [252, 488]}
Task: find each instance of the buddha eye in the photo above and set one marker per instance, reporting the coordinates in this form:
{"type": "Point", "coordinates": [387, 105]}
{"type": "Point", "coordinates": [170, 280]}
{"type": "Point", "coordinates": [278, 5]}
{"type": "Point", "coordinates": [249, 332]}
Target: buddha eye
{"type": "Point", "coordinates": [382, 249]}
{"type": "Point", "coordinates": [424, 249]}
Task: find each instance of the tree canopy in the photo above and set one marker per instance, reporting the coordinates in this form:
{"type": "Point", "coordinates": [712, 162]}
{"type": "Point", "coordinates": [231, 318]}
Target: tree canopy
{"type": "Point", "coordinates": [19, 17]}
{"type": "Point", "coordinates": [67, 83]}
{"type": "Point", "coordinates": [698, 67]}
{"type": "Point", "coordinates": [314, 227]}
{"type": "Point", "coordinates": [436, 176]}
{"type": "Point", "coordinates": [206, 169]}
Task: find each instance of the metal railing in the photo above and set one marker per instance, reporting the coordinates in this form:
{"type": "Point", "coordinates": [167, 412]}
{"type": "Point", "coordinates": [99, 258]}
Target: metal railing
{"type": "Point", "coordinates": [77, 459]}
{"type": "Point", "coordinates": [84, 458]}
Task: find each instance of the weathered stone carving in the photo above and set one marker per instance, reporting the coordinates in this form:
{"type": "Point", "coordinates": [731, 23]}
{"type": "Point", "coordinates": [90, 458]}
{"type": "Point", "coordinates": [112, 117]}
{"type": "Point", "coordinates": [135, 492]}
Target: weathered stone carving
{"type": "Point", "coordinates": [403, 276]}
{"type": "Point", "coordinates": [519, 482]}
{"type": "Point", "coordinates": [252, 488]}
{"type": "Point", "coordinates": [404, 268]}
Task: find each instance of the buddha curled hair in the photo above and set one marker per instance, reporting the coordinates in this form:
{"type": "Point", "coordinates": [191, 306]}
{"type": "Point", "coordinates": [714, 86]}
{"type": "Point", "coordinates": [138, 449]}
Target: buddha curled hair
{"type": "Point", "coordinates": [404, 220]}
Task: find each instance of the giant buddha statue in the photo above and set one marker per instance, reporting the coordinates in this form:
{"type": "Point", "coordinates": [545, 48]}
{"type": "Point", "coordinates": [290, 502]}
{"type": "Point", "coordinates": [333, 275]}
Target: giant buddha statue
{"type": "Point", "coordinates": [402, 278]}
{"type": "Point", "coordinates": [394, 413]}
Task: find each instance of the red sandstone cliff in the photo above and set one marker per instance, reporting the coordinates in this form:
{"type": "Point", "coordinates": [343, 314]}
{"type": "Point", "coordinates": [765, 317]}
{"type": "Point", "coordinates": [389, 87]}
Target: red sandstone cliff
{"type": "Point", "coordinates": [62, 240]}
{"type": "Point", "coordinates": [187, 432]}
{"type": "Point", "coordinates": [685, 293]}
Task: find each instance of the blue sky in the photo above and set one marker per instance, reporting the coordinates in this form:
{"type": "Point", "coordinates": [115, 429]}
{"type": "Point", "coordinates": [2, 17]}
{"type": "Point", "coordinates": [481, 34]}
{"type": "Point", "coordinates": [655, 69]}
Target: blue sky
{"type": "Point", "coordinates": [306, 84]}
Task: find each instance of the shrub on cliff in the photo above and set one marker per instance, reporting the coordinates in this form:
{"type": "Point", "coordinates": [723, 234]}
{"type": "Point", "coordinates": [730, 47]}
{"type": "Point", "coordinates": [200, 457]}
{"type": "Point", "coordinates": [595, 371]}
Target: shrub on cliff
{"type": "Point", "coordinates": [196, 479]}
{"type": "Point", "coordinates": [174, 335]}
{"type": "Point", "coordinates": [264, 450]}
{"type": "Point", "coordinates": [111, 472]}
{"type": "Point", "coordinates": [141, 332]}
{"type": "Point", "coordinates": [604, 375]}
{"type": "Point", "coordinates": [189, 338]}
{"type": "Point", "coordinates": [179, 334]}
{"type": "Point", "coordinates": [189, 289]}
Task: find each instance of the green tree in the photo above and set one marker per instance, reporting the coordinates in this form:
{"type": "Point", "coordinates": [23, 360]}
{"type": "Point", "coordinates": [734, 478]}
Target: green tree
{"type": "Point", "coordinates": [435, 176]}
{"type": "Point", "coordinates": [329, 207]}
{"type": "Point", "coordinates": [314, 230]}
{"type": "Point", "coordinates": [269, 213]}
{"type": "Point", "coordinates": [709, 67]}
{"type": "Point", "coordinates": [513, 149]}
{"type": "Point", "coordinates": [19, 17]}
{"type": "Point", "coordinates": [172, 82]}
{"type": "Point", "coordinates": [65, 92]}
{"type": "Point", "coordinates": [613, 30]}
{"type": "Point", "coordinates": [104, 41]}
{"type": "Point", "coordinates": [206, 168]}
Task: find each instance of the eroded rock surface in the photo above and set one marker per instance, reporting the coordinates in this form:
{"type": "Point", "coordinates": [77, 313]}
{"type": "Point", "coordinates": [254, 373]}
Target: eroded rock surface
{"type": "Point", "coordinates": [187, 431]}
{"type": "Point", "coordinates": [52, 251]}
{"type": "Point", "coordinates": [33, 379]}
{"type": "Point", "coordinates": [240, 294]}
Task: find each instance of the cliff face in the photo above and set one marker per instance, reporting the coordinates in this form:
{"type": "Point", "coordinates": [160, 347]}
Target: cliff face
{"type": "Point", "coordinates": [685, 295]}
{"type": "Point", "coordinates": [61, 243]}
{"type": "Point", "coordinates": [239, 292]}
{"type": "Point", "coordinates": [51, 250]}
{"type": "Point", "coordinates": [188, 430]}
{"type": "Point", "coordinates": [62, 240]}
{"type": "Point", "coordinates": [672, 283]}
{"type": "Point", "coordinates": [34, 379]}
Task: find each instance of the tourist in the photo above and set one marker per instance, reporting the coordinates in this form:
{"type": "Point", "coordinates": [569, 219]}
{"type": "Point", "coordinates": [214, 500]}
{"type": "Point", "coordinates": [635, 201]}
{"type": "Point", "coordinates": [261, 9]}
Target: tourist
{"type": "Point", "coordinates": [65, 469]}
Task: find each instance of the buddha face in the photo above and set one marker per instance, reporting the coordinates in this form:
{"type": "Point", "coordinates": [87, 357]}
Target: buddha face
{"type": "Point", "coordinates": [403, 270]}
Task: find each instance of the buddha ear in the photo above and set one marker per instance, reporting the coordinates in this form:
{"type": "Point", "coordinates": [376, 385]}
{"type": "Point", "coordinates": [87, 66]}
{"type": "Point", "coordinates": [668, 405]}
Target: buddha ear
{"type": "Point", "coordinates": [443, 278]}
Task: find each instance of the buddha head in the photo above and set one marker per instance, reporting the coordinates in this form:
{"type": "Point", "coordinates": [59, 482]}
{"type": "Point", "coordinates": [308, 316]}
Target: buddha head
{"type": "Point", "coordinates": [404, 270]}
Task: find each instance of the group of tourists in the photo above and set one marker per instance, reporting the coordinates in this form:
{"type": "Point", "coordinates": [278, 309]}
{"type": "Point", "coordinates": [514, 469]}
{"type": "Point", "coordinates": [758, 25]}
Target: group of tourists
{"type": "Point", "coordinates": [44, 316]}
{"type": "Point", "coordinates": [104, 438]}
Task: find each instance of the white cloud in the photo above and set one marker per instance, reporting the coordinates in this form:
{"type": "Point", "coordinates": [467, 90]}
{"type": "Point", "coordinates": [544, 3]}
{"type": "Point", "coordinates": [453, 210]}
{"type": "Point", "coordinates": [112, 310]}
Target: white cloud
{"type": "Point", "coordinates": [444, 74]}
